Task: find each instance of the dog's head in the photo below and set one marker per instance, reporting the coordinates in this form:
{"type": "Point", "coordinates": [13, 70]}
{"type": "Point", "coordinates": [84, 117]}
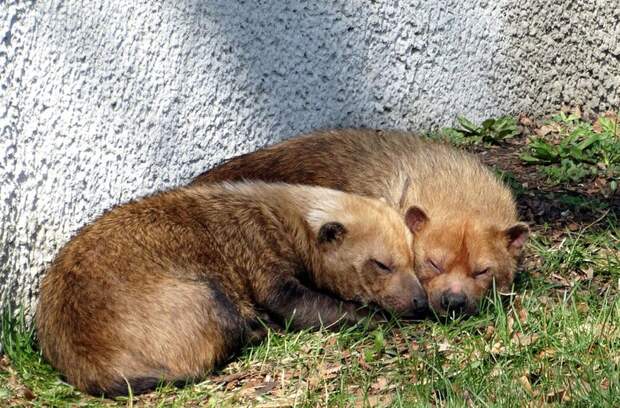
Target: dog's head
{"type": "Point", "coordinates": [458, 261]}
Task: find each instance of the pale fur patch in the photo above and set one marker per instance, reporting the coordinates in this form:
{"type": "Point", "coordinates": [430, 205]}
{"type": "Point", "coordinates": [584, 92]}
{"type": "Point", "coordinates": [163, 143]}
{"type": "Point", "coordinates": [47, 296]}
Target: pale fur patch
{"type": "Point", "coordinates": [324, 205]}
{"type": "Point", "coordinates": [317, 205]}
{"type": "Point", "coordinates": [244, 187]}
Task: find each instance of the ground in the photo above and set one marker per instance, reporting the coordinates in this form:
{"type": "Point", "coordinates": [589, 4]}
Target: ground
{"type": "Point", "coordinates": [554, 340]}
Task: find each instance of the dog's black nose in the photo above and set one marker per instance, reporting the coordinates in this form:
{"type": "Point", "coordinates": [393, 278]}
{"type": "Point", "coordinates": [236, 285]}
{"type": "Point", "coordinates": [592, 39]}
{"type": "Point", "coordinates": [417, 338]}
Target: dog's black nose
{"type": "Point", "coordinates": [419, 304]}
{"type": "Point", "coordinates": [453, 302]}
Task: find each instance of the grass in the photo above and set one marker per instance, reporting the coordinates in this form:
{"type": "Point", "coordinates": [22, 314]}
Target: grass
{"type": "Point", "coordinates": [554, 341]}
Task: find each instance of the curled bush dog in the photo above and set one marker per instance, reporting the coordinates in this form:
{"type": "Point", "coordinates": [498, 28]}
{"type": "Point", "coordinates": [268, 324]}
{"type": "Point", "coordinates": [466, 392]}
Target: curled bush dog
{"type": "Point", "coordinates": [167, 287]}
{"type": "Point", "coordinates": [467, 234]}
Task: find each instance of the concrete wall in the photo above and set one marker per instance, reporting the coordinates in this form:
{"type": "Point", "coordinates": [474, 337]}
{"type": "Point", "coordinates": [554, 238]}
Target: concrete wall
{"type": "Point", "coordinates": [103, 101]}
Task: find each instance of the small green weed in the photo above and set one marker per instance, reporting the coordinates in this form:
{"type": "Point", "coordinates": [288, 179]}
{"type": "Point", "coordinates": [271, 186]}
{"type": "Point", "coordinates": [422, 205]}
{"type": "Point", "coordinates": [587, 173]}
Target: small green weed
{"type": "Point", "coordinates": [582, 150]}
{"type": "Point", "coordinates": [490, 131]}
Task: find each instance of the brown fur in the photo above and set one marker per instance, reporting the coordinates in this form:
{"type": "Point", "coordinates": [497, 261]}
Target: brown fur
{"type": "Point", "coordinates": [167, 287]}
{"type": "Point", "coordinates": [467, 221]}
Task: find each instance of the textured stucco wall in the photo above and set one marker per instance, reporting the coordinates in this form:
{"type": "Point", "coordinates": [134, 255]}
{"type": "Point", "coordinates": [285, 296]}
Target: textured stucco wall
{"type": "Point", "coordinates": [104, 101]}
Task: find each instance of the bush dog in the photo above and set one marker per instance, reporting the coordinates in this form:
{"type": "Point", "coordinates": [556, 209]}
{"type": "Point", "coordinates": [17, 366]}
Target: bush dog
{"type": "Point", "coordinates": [167, 287]}
{"type": "Point", "coordinates": [467, 233]}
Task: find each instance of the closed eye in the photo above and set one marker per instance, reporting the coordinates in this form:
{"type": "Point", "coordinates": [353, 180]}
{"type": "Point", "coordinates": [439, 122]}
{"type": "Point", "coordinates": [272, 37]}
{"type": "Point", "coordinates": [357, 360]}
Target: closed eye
{"type": "Point", "coordinates": [383, 267]}
{"type": "Point", "coordinates": [434, 265]}
{"type": "Point", "coordinates": [482, 273]}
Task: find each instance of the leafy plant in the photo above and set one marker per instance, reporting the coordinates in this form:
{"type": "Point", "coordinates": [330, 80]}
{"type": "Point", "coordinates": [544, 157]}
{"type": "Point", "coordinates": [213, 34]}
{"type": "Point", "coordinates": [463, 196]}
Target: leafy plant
{"type": "Point", "coordinates": [582, 150]}
{"type": "Point", "coordinates": [491, 131]}
{"type": "Point", "coordinates": [567, 118]}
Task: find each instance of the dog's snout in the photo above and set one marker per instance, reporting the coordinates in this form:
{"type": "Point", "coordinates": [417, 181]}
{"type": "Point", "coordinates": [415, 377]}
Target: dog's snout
{"type": "Point", "coordinates": [453, 301]}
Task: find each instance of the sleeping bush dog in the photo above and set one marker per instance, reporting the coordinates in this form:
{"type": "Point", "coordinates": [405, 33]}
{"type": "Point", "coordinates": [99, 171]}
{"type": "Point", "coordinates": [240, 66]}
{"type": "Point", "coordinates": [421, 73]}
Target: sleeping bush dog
{"type": "Point", "coordinates": [467, 237]}
{"type": "Point", "coordinates": [168, 286]}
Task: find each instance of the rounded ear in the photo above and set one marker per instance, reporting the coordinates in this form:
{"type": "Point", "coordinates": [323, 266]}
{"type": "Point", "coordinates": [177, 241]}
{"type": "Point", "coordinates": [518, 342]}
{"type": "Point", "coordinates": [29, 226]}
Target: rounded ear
{"type": "Point", "coordinates": [416, 219]}
{"type": "Point", "coordinates": [516, 236]}
{"type": "Point", "coordinates": [331, 232]}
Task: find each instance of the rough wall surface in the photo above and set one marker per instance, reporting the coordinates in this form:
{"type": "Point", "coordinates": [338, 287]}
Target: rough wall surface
{"type": "Point", "coordinates": [101, 102]}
